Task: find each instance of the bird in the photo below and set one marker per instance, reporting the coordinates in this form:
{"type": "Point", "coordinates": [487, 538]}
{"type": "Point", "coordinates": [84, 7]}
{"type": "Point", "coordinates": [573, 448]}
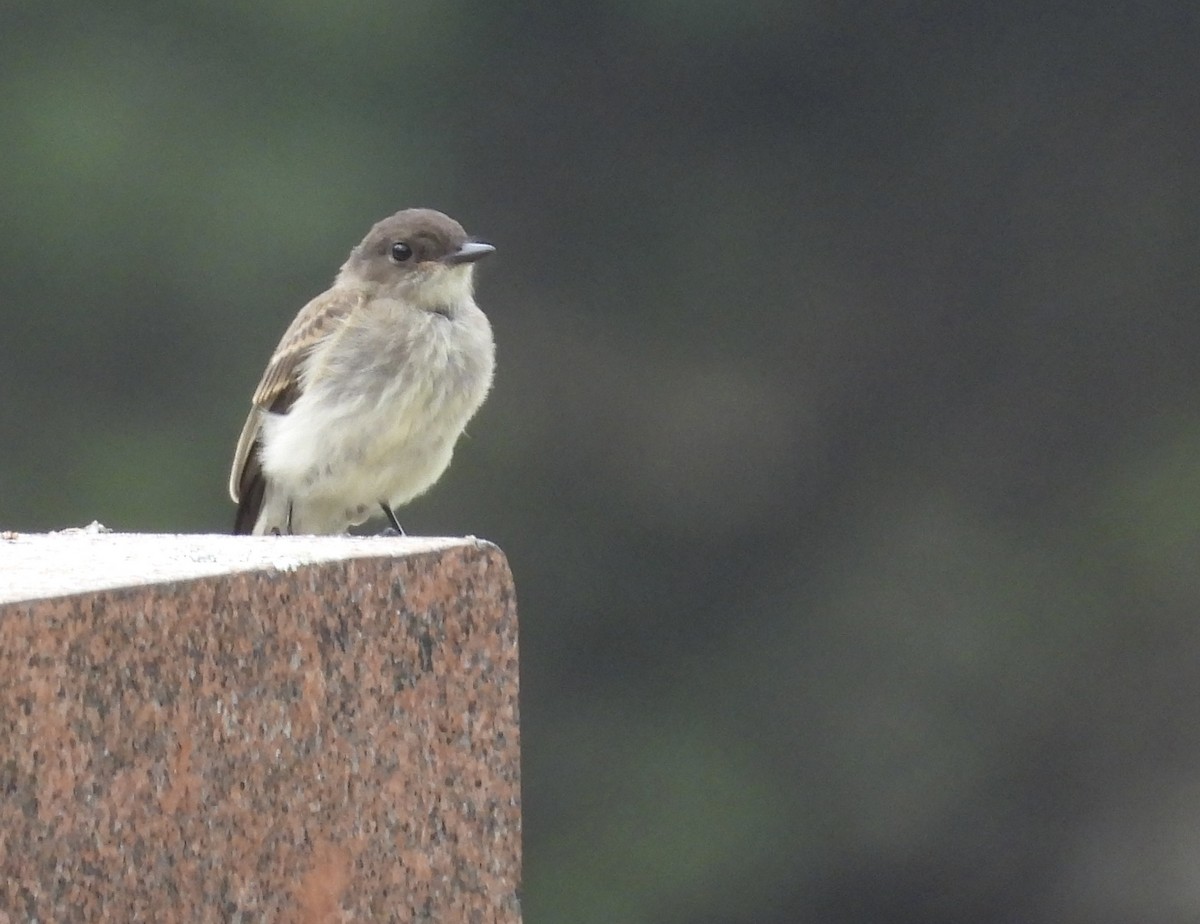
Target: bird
{"type": "Point", "coordinates": [371, 386]}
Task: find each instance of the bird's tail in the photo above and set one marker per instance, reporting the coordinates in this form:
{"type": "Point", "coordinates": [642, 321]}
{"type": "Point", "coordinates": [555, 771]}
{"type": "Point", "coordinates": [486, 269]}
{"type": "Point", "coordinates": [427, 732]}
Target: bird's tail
{"type": "Point", "coordinates": [250, 501]}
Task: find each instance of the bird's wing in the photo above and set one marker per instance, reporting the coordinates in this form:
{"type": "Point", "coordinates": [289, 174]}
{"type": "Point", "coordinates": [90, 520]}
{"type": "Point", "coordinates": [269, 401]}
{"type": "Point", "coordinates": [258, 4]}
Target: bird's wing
{"type": "Point", "coordinates": [280, 385]}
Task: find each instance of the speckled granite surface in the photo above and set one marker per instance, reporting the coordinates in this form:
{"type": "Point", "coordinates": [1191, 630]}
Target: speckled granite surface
{"type": "Point", "coordinates": [333, 742]}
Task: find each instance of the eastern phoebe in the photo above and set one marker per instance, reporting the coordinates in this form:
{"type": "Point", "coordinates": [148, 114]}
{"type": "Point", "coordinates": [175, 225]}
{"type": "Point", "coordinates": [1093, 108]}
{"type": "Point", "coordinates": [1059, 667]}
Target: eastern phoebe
{"type": "Point", "coordinates": [371, 385]}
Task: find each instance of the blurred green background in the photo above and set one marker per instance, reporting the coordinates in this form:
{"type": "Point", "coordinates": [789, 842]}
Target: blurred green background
{"type": "Point", "coordinates": [845, 443]}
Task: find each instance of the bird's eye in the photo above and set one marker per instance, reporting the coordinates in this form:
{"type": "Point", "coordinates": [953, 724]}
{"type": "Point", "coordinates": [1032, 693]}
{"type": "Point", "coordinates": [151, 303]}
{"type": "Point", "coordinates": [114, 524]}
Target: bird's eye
{"type": "Point", "coordinates": [400, 252]}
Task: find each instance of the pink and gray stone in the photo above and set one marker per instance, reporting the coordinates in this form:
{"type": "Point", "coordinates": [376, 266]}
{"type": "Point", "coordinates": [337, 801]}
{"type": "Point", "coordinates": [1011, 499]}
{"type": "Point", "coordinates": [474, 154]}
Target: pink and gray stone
{"type": "Point", "coordinates": [284, 729]}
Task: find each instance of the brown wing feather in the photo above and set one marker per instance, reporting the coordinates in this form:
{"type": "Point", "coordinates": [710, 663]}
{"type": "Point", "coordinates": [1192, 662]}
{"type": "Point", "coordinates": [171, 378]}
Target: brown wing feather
{"type": "Point", "coordinates": [252, 485]}
{"type": "Point", "coordinates": [310, 327]}
{"type": "Point", "coordinates": [277, 392]}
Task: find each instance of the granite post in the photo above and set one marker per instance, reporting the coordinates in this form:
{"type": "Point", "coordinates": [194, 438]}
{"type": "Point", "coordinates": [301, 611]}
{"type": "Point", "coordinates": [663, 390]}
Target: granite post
{"type": "Point", "coordinates": [276, 729]}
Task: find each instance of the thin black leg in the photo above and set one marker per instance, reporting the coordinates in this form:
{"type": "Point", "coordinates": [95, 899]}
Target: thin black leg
{"type": "Point", "coordinates": [391, 516]}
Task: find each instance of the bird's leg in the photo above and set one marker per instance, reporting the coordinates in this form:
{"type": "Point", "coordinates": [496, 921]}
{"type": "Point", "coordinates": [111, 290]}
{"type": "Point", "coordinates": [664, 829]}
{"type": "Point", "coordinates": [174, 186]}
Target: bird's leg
{"type": "Point", "coordinates": [395, 529]}
{"type": "Point", "coordinates": [289, 520]}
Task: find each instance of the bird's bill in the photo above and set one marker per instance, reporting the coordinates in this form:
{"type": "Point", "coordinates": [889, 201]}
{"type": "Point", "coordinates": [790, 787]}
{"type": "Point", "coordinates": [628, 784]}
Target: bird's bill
{"type": "Point", "coordinates": [469, 253]}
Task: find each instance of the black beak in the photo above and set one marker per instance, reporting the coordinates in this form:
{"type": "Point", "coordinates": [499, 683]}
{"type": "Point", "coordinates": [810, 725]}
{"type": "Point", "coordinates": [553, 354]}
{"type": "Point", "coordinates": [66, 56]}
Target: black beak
{"type": "Point", "coordinates": [469, 253]}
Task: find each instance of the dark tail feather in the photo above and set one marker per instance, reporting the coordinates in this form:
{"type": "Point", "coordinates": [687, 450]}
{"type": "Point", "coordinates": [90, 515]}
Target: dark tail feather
{"type": "Point", "coordinates": [250, 493]}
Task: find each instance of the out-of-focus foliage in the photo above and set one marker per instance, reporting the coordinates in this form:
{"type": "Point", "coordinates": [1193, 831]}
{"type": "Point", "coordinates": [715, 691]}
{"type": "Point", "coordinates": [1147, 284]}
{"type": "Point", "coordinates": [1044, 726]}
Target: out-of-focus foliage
{"type": "Point", "coordinates": [845, 443]}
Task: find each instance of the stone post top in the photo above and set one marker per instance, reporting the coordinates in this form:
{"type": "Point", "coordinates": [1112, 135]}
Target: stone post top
{"type": "Point", "coordinates": [35, 566]}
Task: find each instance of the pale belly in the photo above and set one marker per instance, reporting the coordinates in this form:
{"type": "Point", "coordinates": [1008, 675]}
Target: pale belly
{"type": "Point", "coordinates": [332, 460]}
